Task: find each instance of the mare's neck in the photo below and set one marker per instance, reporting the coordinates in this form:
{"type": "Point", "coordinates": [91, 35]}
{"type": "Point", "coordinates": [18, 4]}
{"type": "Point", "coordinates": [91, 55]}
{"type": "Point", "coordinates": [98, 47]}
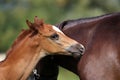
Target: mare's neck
{"type": "Point", "coordinates": [82, 29]}
{"type": "Point", "coordinates": [81, 32]}
{"type": "Point", "coordinates": [20, 61]}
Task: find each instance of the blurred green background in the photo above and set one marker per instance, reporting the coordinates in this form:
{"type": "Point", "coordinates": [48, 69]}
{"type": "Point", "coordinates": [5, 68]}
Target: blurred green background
{"type": "Point", "coordinates": [13, 14]}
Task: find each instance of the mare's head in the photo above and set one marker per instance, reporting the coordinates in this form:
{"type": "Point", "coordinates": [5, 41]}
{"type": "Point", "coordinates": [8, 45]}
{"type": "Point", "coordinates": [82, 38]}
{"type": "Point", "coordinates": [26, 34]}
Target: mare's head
{"type": "Point", "coordinates": [51, 40]}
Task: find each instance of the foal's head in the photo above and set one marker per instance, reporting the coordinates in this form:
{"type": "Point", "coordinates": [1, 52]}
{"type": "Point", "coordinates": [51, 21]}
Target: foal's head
{"type": "Point", "coordinates": [51, 40]}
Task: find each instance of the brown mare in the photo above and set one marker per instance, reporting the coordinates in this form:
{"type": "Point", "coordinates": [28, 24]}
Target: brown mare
{"type": "Point", "coordinates": [32, 45]}
{"type": "Point", "coordinates": [101, 60]}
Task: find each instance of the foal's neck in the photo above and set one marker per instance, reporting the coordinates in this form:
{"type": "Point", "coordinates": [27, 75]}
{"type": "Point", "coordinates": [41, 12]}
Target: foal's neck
{"type": "Point", "coordinates": [20, 61]}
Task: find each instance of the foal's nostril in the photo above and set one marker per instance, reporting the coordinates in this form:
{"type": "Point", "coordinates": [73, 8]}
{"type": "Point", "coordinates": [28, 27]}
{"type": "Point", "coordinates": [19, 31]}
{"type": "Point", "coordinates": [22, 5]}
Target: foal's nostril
{"type": "Point", "coordinates": [80, 48]}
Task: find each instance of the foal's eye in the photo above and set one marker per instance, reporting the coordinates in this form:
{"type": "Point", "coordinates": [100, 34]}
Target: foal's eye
{"type": "Point", "coordinates": [54, 37]}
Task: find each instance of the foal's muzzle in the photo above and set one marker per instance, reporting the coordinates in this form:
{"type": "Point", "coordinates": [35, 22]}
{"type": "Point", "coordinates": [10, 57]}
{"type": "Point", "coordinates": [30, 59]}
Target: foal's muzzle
{"type": "Point", "coordinates": [76, 50]}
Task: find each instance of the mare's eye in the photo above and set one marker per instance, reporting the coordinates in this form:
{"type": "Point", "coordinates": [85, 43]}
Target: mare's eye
{"type": "Point", "coordinates": [54, 37]}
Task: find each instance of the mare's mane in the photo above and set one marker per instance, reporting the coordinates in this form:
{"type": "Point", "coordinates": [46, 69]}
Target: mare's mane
{"type": "Point", "coordinates": [69, 23]}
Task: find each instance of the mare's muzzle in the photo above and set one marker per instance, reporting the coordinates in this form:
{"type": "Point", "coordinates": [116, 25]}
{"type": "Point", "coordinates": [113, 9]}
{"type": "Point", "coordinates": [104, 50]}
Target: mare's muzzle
{"type": "Point", "coordinates": [76, 50]}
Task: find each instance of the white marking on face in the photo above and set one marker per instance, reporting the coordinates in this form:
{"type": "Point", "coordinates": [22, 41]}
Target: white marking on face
{"type": "Point", "coordinates": [56, 29]}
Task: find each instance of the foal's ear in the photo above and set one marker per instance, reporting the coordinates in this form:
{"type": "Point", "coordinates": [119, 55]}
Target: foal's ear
{"type": "Point", "coordinates": [38, 23]}
{"type": "Point", "coordinates": [30, 25]}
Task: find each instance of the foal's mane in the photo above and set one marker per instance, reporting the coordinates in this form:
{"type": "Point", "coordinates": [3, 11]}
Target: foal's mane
{"type": "Point", "coordinates": [21, 36]}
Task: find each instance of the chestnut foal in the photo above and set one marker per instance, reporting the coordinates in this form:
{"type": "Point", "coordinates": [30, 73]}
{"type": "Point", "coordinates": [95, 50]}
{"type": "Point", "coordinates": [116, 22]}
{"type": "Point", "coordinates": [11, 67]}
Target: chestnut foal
{"type": "Point", "coordinates": [32, 45]}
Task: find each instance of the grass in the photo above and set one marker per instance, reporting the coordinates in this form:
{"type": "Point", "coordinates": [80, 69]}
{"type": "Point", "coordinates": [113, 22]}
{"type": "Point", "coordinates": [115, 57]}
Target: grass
{"type": "Point", "coordinates": [66, 75]}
